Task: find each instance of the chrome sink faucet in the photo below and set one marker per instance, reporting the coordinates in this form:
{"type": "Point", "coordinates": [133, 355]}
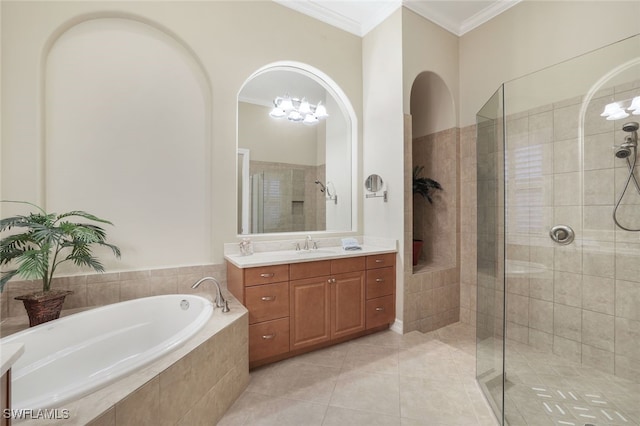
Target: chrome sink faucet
{"type": "Point", "coordinates": [310, 244]}
{"type": "Point", "coordinates": [220, 300]}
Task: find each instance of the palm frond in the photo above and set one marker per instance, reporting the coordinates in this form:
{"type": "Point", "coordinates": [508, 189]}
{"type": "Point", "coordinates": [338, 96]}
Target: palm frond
{"type": "Point", "coordinates": [423, 185]}
{"type": "Point", "coordinates": [85, 215]}
{"type": "Point", "coordinates": [6, 276]}
{"type": "Point", "coordinates": [48, 241]}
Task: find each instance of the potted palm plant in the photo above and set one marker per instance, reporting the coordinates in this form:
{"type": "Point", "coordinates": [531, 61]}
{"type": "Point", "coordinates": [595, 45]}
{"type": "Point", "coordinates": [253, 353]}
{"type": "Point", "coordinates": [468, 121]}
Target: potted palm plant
{"type": "Point", "coordinates": [425, 187]}
{"type": "Point", "coordinates": [43, 242]}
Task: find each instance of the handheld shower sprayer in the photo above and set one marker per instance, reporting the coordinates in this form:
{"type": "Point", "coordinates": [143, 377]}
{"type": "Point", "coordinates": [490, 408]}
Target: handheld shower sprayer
{"type": "Point", "coordinates": [628, 151]}
{"type": "Point", "coordinates": [630, 141]}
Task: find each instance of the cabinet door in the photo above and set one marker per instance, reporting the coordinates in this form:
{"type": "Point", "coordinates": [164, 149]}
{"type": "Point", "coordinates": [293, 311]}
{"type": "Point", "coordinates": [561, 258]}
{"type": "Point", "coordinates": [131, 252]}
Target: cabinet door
{"type": "Point", "coordinates": [347, 304]}
{"type": "Point", "coordinates": [309, 311]}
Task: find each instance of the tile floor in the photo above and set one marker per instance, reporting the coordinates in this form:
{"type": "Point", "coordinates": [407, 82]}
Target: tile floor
{"type": "Point", "coordinates": [381, 379]}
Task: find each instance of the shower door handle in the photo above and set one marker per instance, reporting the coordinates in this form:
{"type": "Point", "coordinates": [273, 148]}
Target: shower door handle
{"type": "Point", "coordinates": [562, 234]}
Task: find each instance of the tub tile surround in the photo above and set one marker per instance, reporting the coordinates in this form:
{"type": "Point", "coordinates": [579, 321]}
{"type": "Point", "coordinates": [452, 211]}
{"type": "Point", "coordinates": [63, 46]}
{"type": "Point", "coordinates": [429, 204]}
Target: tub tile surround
{"type": "Point", "coordinates": [194, 384]}
{"type": "Point", "coordinates": [102, 289]}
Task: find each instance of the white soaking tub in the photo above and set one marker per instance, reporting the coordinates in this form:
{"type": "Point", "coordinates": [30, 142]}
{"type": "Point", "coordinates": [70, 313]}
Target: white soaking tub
{"type": "Point", "coordinates": [75, 355]}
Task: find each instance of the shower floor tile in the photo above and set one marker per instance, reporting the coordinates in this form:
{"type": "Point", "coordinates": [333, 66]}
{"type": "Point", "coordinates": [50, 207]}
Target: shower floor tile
{"type": "Point", "coordinates": [381, 379]}
{"type": "Point", "coordinates": [574, 396]}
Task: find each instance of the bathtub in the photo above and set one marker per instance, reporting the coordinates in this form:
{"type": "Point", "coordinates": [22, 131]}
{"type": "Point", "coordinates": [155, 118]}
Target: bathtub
{"type": "Point", "coordinates": [71, 357]}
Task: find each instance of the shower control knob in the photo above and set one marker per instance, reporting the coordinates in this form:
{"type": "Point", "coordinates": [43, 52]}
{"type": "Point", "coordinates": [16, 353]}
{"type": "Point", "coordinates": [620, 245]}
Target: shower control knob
{"type": "Point", "coordinates": [562, 234]}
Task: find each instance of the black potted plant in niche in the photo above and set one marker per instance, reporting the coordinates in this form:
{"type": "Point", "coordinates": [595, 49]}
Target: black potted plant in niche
{"type": "Point", "coordinates": [425, 187]}
{"type": "Point", "coordinates": [42, 242]}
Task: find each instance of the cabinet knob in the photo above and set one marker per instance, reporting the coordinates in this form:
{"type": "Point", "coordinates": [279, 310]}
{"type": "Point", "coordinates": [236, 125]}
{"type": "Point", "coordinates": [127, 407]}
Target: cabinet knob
{"type": "Point", "coordinates": [268, 298]}
{"type": "Point", "coordinates": [379, 260]}
{"type": "Point", "coordinates": [269, 336]}
{"type": "Point", "coordinates": [331, 280]}
{"type": "Point", "coordinates": [379, 280]}
{"type": "Point", "coordinates": [379, 309]}
{"type": "Point", "coordinates": [267, 275]}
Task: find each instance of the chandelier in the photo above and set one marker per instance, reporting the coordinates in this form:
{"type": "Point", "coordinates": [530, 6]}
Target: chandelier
{"type": "Point", "coordinates": [298, 110]}
{"type": "Point", "coordinates": [616, 110]}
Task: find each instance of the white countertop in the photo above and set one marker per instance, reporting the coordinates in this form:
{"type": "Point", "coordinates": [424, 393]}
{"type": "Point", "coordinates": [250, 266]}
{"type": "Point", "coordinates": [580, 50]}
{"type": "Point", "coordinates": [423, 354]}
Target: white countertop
{"type": "Point", "coordinates": [297, 256]}
{"type": "Point", "coordinates": [9, 353]}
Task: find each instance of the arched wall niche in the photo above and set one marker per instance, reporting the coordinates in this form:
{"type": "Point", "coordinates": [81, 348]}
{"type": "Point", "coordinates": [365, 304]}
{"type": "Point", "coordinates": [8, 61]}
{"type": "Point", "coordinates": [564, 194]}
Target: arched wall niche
{"type": "Point", "coordinates": [126, 110]}
{"type": "Point", "coordinates": [434, 147]}
{"type": "Point", "coordinates": [432, 106]}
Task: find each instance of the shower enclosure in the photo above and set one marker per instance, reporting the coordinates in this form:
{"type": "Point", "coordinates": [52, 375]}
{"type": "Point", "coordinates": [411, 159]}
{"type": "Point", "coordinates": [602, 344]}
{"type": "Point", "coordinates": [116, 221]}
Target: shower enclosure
{"type": "Point", "coordinates": [558, 270]}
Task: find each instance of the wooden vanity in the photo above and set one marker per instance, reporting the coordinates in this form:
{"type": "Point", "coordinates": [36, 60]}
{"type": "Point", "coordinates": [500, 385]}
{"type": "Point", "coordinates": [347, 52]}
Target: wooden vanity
{"type": "Point", "coordinates": [299, 307]}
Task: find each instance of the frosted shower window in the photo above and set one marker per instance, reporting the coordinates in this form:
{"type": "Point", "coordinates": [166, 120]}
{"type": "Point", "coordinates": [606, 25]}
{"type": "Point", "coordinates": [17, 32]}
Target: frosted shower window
{"type": "Point", "coordinates": [127, 112]}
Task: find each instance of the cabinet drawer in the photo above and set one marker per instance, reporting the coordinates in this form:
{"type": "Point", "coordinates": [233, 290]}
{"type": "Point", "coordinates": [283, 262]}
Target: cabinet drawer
{"type": "Point", "coordinates": [266, 275]}
{"type": "Point", "coordinates": [350, 264]}
{"type": "Point", "coordinates": [380, 311]}
{"type": "Point", "coordinates": [267, 302]}
{"type": "Point", "coordinates": [380, 282]}
{"type": "Point", "coordinates": [381, 260]}
{"type": "Point", "coordinates": [268, 339]}
{"type": "Point", "coordinates": [298, 271]}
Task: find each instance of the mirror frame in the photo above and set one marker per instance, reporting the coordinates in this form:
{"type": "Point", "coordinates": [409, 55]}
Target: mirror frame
{"type": "Point", "coordinates": [346, 108]}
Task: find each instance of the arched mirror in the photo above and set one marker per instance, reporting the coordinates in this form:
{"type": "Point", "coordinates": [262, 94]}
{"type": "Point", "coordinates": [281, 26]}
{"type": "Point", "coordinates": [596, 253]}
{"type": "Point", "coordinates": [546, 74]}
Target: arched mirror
{"type": "Point", "coordinates": [295, 160]}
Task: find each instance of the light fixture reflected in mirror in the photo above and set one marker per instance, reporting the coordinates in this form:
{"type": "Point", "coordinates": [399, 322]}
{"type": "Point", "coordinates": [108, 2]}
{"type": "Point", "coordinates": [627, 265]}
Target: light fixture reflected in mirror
{"type": "Point", "coordinates": [618, 111]}
{"type": "Point", "coordinates": [298, 110]}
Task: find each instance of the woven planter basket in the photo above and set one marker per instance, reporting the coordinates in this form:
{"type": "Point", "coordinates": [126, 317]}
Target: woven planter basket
{"type": "Point", "coordinates": [44, 306]}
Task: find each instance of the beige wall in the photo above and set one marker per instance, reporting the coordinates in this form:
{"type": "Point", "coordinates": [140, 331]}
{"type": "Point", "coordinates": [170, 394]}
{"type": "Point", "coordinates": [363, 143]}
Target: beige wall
{"type": "Point", "coordinates": [533, 35]}
{"type": "Point", "coordinates": [382, 152]}
{"type": "Point", "coordinates": [428, 47]}
{"type": "Point", "coordinates": [206, 30]}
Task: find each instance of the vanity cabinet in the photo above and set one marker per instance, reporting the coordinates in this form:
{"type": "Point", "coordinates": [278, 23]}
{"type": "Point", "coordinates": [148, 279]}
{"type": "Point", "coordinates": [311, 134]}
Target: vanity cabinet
{"type": "Point", "coordinates": [381, 287]}
{"type": "Point", "coordinates": [329, 306]}
{"type": "Point", "coordinates": [298, 307]}
{"type": "Point", "coordinates": [264, 291]}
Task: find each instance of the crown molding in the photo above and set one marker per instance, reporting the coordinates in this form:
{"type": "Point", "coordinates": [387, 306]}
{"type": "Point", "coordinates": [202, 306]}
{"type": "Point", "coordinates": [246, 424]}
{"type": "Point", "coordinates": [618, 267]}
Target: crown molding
{"type": "Point", "coordinates": [323, 14]}
{"type": "Point", "coordinates": [373, 12]}
{"type": "Point", "coordinates": [380, 15]}
{"type": "Point", "coordinates": [428, 13]}
{"type": "Point", "coordinates": [359, 27]}
{"type": "Point", "coordinates": [486, 14]}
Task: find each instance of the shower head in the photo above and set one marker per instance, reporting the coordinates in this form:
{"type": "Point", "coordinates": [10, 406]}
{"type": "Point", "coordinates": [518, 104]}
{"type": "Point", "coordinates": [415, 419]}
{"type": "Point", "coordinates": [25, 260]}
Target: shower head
{"type": "Point", "coordinates": [322, 188]}
{"type": "Point", "coordinates": [630, 141]}
{"type": "Point", "coordinates": [631, 127]}
{"type": "Point", "coordinates": [623, 151]}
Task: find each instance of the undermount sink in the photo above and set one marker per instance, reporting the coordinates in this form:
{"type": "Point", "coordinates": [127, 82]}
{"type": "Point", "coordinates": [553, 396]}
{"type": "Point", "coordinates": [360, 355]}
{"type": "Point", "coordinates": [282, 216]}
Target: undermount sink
{"type": "Point", "coordinates": [316, 252]}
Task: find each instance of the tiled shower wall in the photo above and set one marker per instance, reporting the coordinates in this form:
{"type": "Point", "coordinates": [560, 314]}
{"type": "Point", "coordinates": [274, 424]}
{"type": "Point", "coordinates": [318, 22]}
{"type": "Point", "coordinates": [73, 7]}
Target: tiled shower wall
{"type": "Point", "coordinates": [303, 205]}
{"type": "Point", "coordinates": [580, 301]}
{"type": "Point", "coordinates": [436, 223]}
{"type": "Point", "coordinates": [432, 292]}
{"type": "Point", "coordinates": [468, 225]}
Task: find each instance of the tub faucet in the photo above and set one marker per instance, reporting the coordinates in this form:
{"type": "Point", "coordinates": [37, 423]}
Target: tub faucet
{"type": "Point", "coordinates": [220, 301]}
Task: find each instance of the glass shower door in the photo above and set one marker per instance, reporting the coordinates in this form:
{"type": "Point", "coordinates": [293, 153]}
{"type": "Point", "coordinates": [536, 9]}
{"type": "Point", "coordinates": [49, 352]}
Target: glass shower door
{"type": "Point", "coordinates": [490, 266]}
{"type": "Point", "coordinates": [572, 347]}
{"type": "Point", "coordinates": [571, 234]}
